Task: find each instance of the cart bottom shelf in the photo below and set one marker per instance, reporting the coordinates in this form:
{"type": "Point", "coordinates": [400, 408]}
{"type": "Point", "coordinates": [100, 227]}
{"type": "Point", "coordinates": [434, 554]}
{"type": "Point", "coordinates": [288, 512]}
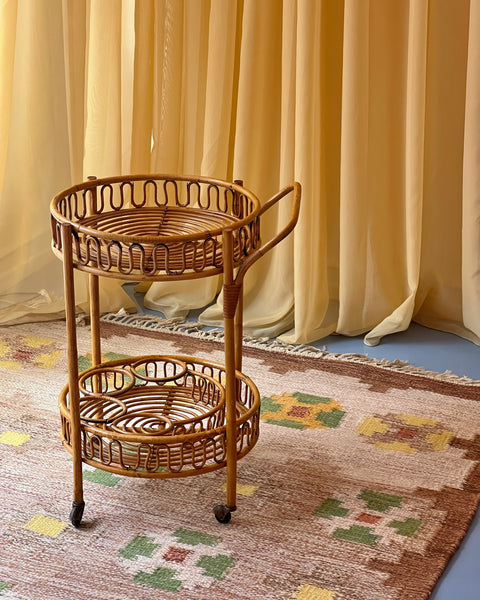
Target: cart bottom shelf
{"type": "Point", "coordinates": [159, 416]}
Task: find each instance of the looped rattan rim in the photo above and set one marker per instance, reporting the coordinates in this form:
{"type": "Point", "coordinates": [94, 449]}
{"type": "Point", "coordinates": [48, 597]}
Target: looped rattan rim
{"type": "Point", "coordinates": [164, 359]}
{"type": "Point", "coordinates": [160, 239]}
{"type": "Point", "coordinates": [114, 396]}
{"type": "Point", "coordinates": [99, 371]}
{"type": "Point", "coordinates": [147, 442]}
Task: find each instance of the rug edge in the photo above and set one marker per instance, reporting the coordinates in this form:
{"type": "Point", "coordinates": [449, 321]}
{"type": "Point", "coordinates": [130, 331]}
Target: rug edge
{"type": "Point", "coordinates": [197, 330]}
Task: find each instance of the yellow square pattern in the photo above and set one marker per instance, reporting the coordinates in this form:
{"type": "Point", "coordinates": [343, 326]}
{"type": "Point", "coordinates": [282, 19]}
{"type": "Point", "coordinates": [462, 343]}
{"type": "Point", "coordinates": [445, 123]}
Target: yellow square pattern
{"type": "Point", "coordinates": [46, 526]}
{"type": "Point", "coordinates": [310, 592]}
{"type": "Point", "coordinates": [4, 348]}
{"type": "Point", "coordinates": [243, 489]}
{"type": "Point", "coordinates": [32, 341]}
{"type": "Point", "coordinates": [49, 359]}
{"type": "Point", "coordinates": [13, 438]}
{"type": "Point", "coordinates": [9, 364]}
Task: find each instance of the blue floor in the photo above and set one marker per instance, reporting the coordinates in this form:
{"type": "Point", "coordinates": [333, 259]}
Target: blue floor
{"type": "Point", "coordinates": [434, 351]}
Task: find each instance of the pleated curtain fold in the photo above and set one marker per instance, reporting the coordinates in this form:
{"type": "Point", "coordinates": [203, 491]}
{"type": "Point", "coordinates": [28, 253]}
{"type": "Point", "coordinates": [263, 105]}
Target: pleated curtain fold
{"type": "Point", "coordinates": [373, 106]}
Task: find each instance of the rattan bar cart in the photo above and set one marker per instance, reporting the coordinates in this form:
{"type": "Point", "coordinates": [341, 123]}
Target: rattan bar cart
{"type": "Point", "coordinates": [160, 416]}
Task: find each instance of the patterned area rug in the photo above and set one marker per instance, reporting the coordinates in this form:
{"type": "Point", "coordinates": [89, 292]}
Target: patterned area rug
{"type": "Point", "coordinates": [362, 485]}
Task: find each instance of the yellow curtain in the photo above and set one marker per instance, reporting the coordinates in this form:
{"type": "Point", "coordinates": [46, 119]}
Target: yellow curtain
{"type": "Point", "coordinates": [373, 106]}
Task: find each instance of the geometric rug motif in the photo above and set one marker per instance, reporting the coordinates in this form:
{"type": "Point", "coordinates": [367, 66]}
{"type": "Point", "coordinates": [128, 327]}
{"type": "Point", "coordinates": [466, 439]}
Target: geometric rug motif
{"type": "Point", "coordinates": [28, 350]}
{"type": "Point", "coordinates": [406, 433]}
{"type": "Point", "coordinates": [181, 559]}
{"type": "Point", "coordinates": [302, 411]}
{"type": "Point", "coordinates": [375, 518]}
{"type": "Point", "coordinates": [362, 484]}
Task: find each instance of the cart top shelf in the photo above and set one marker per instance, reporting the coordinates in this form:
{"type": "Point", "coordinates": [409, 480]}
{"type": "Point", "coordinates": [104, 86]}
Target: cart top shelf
{"type": "Point", "coordinates": [154, 227]}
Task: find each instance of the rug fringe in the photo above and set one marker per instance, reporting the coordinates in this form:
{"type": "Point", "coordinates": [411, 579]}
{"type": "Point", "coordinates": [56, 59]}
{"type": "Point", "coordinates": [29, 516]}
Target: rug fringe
{"type": "Point", "coordinates": [197, 330]}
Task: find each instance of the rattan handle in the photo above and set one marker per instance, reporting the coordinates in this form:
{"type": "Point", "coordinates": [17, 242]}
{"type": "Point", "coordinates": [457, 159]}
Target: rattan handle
{"type": "Point", "coordinates": [296, 188]}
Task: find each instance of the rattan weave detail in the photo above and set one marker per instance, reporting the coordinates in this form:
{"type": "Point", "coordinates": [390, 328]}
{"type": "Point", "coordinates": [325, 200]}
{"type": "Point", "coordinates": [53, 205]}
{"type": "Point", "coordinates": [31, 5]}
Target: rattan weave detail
{"type": "Point", "coordinates": [157, 227]}
{"type": "Point", "coordinates": [133, 419]}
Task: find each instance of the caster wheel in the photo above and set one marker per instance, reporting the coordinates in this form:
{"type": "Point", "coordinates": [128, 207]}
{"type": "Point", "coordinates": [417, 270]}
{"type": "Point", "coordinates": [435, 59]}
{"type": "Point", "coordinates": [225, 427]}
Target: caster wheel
{"type": "Point", "coordinates": [76, 513]}
{"type": "Point", "coordinates": [222, 513]}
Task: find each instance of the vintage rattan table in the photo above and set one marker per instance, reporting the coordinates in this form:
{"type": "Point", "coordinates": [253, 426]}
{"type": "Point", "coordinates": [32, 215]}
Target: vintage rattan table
{"type": "Point", "coordinates": [160, 416]}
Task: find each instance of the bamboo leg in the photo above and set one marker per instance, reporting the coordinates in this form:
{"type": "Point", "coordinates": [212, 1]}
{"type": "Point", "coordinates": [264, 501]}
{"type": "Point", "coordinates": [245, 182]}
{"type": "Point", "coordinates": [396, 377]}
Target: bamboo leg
{"type": "Point", "coordinates": [95, 319]}
{"type": "Point", "coordinates": [239, 330]}
{"type": "Point", "coordinates": [231, 424]}
{"type": "Point", "coordinates": [95, 332]}
{"type": "Point", "coordinates": [73, 394]}
{"type": "Point", "coordinates": [93, 290]}
{"type": "Point", "coordinates": [230, 384]}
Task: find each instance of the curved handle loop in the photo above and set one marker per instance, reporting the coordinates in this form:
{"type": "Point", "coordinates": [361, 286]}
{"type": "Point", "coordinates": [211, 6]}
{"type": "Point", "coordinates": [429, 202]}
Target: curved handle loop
{"type": "Point", "coordinates": [296, 188]}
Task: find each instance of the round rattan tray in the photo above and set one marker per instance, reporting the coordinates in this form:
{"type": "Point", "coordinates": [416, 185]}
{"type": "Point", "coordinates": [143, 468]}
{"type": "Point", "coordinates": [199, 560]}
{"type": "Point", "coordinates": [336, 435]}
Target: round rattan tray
{"type": "Point", "coordinates": [159, 416]}
{"type": "Point", "coordinates": [157, 227]}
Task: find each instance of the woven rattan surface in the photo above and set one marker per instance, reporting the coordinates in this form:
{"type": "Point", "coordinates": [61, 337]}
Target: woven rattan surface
{"type": "Point", "coordinates": [155, 227]}
{"type": "Point", "coordinates": [159, 416]}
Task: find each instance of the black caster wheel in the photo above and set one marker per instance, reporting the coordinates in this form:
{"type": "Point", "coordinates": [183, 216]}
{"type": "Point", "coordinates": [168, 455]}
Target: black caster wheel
{"type": "Point", "coordinates": [222, 513]}
{"type": "Point", "coordinates": [76, 513]}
